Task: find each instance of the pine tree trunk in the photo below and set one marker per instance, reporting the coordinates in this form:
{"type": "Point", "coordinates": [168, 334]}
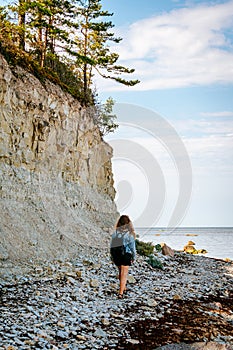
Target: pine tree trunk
{"type": "Point", "coordinates": [85, 64]}
{"type": "Point", "coordinates": [44, 48]}
{"type": "Point", "coordinates": [51, 41]}
{"type": "Point", "coordinates": [40, 44]}
{"type": "Point", "coordinates": [21, 24]}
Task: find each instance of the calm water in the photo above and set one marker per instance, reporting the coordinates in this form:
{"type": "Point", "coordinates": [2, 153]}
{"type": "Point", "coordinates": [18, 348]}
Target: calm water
{"type": "Point", "coordinates": [218, 241]}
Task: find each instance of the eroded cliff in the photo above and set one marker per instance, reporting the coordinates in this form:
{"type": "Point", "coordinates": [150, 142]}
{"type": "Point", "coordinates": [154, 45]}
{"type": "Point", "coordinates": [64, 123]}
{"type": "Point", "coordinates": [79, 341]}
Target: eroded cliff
{"type": "Point", "coordinates": [56, 176]}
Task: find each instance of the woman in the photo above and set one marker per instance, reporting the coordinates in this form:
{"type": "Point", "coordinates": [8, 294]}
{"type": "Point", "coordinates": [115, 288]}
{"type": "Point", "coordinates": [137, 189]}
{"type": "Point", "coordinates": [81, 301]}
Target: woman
{"type": "Point", "coordinates": [123, 250]}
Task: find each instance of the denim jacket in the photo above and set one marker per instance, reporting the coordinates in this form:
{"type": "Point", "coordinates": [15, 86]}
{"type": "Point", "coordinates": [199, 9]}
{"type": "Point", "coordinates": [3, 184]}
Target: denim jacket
{"type": "Point", "coordinates": [128, 242]}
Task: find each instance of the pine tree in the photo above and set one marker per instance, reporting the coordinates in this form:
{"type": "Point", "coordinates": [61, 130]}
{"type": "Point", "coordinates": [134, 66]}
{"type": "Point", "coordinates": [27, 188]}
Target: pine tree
{"type": "Point", "coordinates": [71, 39]}
{"type": "Point", "coordinates": [48, 21]}
{"type": "Point", "coordinates": [104, 117]}
{"type": "Point", "coordinates": [92, 46]}
{"type": "Point", "coordinates": [21, 23]}
{"type": "Point", "coordinates": [42, 24]}
{"type": "Point", "coordinates": [9, 33]}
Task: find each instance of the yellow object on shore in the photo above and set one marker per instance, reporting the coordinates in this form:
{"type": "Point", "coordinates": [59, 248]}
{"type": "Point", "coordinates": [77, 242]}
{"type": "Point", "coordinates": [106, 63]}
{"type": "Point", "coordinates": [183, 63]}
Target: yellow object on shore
{"type": "Point", "coordinates": [190, 249]}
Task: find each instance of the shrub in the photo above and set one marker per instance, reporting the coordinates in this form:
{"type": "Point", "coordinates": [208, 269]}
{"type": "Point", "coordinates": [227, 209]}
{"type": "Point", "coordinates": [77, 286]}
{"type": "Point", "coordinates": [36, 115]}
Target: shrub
{"type": "Point", "coordinates": [144, 248]}
{"type": "Point", "coordinates": [55, 71]}
{"type": "Point", "coordinates": [154, 262]}
{"type": "Point", "coordinates": [158, 248]}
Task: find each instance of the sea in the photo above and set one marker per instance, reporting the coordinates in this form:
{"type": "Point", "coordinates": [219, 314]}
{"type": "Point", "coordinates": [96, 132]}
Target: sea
{"type": "Point", "coordinates": [218, 241]}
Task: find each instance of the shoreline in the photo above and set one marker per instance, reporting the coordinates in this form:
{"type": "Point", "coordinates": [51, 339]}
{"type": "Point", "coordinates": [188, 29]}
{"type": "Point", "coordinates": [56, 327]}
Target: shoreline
{"type": "Point", "coordinates": [225, 260]}
{"type": "Point", "coordinates": [73, 304]}
{"type": "Point", "coordinates": [203, 240]}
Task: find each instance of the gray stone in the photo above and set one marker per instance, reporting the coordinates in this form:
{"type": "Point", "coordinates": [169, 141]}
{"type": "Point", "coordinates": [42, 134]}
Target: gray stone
{"type": "Point", "coordinates": [151, 302]}
{"type": "Point", "coordinates": [62, 334]}
{"type": "Point", "coordinates": [94, 283]}
{"type": "Point", "coordinates": [94, 318]}
{"type": "Point", "coordinates": [100, 333]}
{"type": "Point", "coordinates": [132, 341]}
{"type": "Point", "coordinates": [131, 279]}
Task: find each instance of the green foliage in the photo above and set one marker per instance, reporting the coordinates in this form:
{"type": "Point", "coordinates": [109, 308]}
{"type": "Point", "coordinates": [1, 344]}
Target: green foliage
{"type": "Point", "coordinates": [8, 30]}
{"type": "Point", "coordinates": [92, 47]}
{"type": "Point", "coordinates": [154, 262]}
{"type": "Point", "coordinates": [65, 41]}
{"type": "Point", "coordinates": [158, 248]}
{"type": "Point", "coordinates": [60, 75]}
{"type": "Point", "coordinates": [144, 248]}
{"type": "Point", "coordinates": [104, 118]}
{"type": "Point", "coordinates": [66, 77]}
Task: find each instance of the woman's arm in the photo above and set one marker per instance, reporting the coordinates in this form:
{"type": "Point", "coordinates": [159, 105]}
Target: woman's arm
{"type": "Point", "coordinates": [132, 247]}
{"type": "Point", "coordinates": [132, 231]}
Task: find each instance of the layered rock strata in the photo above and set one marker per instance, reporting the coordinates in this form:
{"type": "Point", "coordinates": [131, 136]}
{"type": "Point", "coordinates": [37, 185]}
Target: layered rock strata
{"type": "Point", "coordinates": [56, 176]}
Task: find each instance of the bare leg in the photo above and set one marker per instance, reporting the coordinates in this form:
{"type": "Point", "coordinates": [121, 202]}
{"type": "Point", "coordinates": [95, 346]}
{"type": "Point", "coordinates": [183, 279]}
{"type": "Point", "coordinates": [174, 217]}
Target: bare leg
{"type": "Point", "coordinates": [123, 278]}
{"type": "Point", "coordinates": [119, 268]}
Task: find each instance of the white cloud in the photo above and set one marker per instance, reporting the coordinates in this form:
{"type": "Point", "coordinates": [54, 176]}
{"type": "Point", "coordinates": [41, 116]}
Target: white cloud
{"type": "Point", "coordinates": [205, 127]}
{"type": "Point", "coordinates": [218, 114]}
{"type": "Point", "coordinates": [188, 46]}
{"type": "Point", "coordinates": [209, 145]}
{"type": "Point", "coordinates": [214, 147]}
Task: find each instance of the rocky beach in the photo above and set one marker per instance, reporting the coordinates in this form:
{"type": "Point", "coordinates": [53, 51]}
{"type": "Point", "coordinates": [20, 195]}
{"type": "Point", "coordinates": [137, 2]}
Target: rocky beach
{"type": "Point", "coordinates": [58, 286]}
{"type": "Point", "coordinates": [73, 304]}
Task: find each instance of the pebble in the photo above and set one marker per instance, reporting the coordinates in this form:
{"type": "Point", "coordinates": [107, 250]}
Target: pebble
{"type": "Point", "coordinates": [74, 304]}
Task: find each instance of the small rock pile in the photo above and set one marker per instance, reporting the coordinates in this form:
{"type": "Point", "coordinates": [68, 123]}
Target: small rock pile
{"type": "Point", "coordinates": [74, 304]}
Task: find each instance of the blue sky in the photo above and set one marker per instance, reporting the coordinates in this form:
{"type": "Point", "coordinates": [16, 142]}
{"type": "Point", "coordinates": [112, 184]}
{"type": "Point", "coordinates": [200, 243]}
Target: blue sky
{"type": "Point", "coordinates": [182, 52]}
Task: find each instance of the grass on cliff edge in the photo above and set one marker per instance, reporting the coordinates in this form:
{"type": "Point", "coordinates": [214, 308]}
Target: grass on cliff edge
{"type": "Point", "coordinates": [55, 71]}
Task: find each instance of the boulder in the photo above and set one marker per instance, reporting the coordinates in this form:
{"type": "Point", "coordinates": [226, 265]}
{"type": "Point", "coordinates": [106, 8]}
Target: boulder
{"type": "Point", "coordinates": [166, 250]}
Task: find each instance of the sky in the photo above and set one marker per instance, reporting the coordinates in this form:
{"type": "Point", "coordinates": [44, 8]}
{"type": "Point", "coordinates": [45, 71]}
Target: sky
{"type": "Point", "coordinates": [173, 150]}
{"type": "Point", "coordinates": [182, 52]}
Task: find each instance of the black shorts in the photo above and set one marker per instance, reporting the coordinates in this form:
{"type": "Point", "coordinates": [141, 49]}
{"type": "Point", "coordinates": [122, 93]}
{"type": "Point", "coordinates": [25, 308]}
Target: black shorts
{"type": "Point", "coordinates": [125, 260]}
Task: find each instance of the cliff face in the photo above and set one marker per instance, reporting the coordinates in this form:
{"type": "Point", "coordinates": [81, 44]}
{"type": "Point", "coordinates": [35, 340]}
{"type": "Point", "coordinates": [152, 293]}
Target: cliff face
{"type": "Point", "coordinates": [56, 178]}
